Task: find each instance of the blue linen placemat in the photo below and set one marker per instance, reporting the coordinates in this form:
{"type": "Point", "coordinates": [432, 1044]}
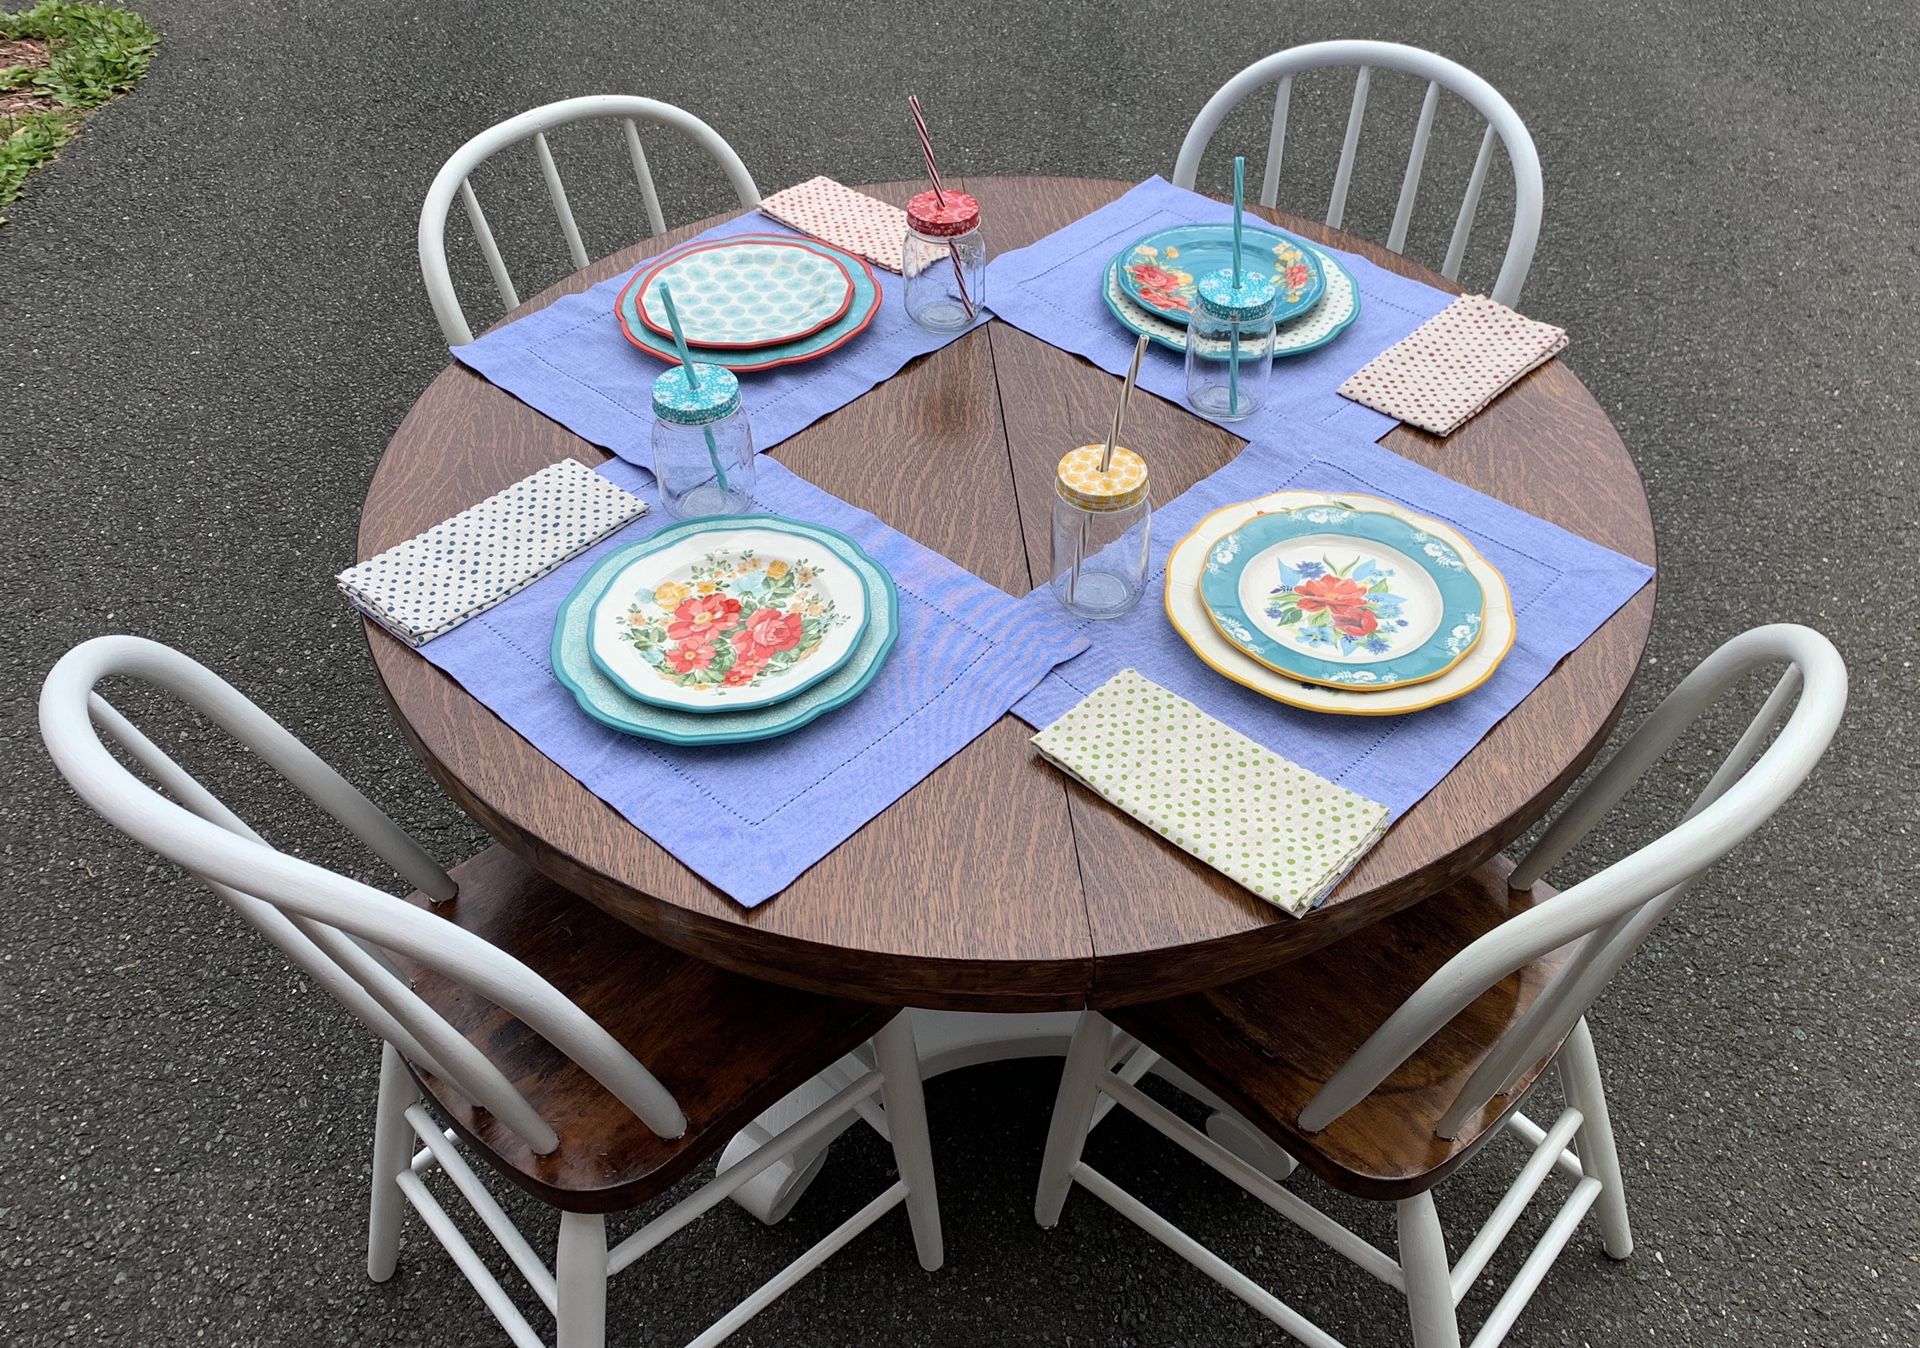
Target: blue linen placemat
{"type": "Point", "coordinates": [570, 361]}
{"type": "Point", "coordinates": [751, 817]}
{"type": "Point", "coordinates": [1053, 290]}
{"type": "Point", "coordinates": [1564, 587]}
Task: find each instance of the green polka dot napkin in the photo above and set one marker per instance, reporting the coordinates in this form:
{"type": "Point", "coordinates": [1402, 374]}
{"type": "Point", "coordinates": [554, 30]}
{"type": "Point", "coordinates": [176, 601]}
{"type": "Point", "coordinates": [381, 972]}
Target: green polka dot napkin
{"type": "Point", "coordinates": [1287, 834]}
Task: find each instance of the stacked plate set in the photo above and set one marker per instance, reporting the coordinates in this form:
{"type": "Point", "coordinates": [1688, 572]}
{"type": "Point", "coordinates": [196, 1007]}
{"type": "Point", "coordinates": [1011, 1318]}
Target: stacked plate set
{"type": "Point", "coordinates": [1343, 604]}
{"type": "Point", "coordinates": [1149, 284]}
{"type": "Point", "coordinates": [720, 631]}
{"type": "Point", "coordinates": [751, 302]}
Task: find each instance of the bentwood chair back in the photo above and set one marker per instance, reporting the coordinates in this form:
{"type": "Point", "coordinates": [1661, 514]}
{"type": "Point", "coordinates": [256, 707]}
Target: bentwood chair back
{"type": "Point", "coordinates": [1501, 985]}
{"type": "Point", "coordinates": [1503, 124]}
{"type": "Point", "coordinates": [532, 125]}
{"type": "Point", "coordinates": [574, 1116]}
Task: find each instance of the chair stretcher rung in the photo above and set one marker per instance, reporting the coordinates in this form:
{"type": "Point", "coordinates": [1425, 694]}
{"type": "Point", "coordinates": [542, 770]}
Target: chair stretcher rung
{"type": "Point", "coordinates": [468, 1262]}
{"type": "Point", "coordinates": [537, 1274]}
{"type": "Point", "coordinates": [1527, 1281]}
{"type": "Point", "coordinates": [1499, 1223]}
{"type": "Point", "coordinates": [1289, 1205]}
{"type": "Point", "coordinates": [709, 1195]}
{"type": "Point", "coordinates": [829, 1245]}
{"type": "Point", "coordinates": [1202, 1258]}
{"type": "Point", "coordinates": [1530, 1132]}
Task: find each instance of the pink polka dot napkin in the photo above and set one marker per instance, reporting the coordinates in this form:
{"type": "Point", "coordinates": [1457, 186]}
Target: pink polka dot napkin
{"type": "Point", "coordinates": [836, 214]}
{"type": "Point", "coordinates": [1454, 364]}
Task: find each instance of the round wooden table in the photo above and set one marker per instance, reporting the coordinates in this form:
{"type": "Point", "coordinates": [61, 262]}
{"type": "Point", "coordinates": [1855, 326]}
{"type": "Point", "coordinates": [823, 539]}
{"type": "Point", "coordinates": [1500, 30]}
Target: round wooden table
{"type": "Point", "coordinates": [997, 884]}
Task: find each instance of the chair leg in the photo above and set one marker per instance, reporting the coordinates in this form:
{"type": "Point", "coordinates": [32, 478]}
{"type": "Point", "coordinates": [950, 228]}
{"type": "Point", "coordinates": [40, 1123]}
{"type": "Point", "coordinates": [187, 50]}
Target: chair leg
{"type": "Point", "coordinates": [906, 1108]}
{"type": "Point", "coordinates": [1599, 1156]}
{"type": "Point", "coordinates": [392, 1150]}
{"type": "Point", "coordinates": [1423, 1258]}
{"type": "Point", "coordinates": [581, 1272]}
{"type": "Point", "coordinates": [1072, 1114]}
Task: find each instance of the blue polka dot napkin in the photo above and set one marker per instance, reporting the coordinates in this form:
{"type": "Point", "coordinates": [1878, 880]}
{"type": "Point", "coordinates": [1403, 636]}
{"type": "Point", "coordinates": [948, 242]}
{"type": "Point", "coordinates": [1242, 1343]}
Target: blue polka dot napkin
{"type": "Point", "coordinates": [430, 584]}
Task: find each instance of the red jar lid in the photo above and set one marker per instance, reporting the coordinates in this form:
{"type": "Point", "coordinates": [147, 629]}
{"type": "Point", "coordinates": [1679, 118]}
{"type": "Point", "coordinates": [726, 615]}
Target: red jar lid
{"type": "Point", "coordinates": [959, 215]}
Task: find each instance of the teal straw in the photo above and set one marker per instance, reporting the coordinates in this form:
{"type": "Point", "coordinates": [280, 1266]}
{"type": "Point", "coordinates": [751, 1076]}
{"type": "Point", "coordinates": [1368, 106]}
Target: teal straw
{"type": "Point", "coordinates": [1239, 204]}
{"type": "Point", "coordinates": [1233, 374]}
{"type": "Point", "coordinates": [693, 378]}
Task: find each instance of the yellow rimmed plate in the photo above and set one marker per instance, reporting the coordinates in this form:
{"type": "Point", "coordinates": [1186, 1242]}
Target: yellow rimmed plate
{"type": "Point", "coordinates": [1189, 616]}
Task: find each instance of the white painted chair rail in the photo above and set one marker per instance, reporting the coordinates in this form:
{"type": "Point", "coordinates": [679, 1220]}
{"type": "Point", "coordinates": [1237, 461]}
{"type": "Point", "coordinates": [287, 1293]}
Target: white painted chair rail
{"type": "Point", "coordinates": [1502, 121]}
{"type": "Point", "coordinates": [1602, 919]}
{"type": "Point", "coordinates": [319, 920]}
{"type": "Point", "coordinates": [452, 181]}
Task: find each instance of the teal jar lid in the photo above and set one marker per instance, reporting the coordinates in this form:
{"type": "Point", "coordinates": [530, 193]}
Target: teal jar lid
{"type": "Point", "coordinates": [1250, 302]}
{"type": "Point", "coordinates": [714, 398]}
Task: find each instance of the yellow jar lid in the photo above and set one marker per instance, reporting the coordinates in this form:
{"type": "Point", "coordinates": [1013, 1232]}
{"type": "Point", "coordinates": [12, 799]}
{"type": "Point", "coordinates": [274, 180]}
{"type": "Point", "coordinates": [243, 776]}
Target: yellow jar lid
{"type": "Point", "coordinates": [1080, 482]}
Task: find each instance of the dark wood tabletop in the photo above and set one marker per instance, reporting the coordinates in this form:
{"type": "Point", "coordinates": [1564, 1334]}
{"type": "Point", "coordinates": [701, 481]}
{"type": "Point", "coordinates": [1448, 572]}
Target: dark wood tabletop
{"type": "Point", "coordinates": [996, 884]}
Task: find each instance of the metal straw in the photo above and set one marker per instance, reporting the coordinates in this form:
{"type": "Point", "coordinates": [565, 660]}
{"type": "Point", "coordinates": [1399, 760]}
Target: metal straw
{"type": "Point", "coordinates": [1106, 455]}
{"type": "Point", "coordinates": [693, 378]}
{"type": "Point", "coordinates": [1120, 408]}
{"type": "Point", "coordinates": [939, 195]}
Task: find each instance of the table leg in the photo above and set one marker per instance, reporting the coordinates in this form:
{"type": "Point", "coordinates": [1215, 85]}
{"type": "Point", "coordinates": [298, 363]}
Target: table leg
{"type": "Point", "coordinates": [949, 1040]}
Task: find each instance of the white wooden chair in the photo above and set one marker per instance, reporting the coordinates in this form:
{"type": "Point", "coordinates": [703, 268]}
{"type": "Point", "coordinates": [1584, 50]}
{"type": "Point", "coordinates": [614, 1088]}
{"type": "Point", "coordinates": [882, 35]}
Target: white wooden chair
{"type": "Point", "coordinates": [1386, 1060]}
{"type": "Point", "coordinates": [1502, 123]}
{"type": "Point", "coordinates": [523, 1013]}
{"type": "Point", "coordinates": [533, 125]}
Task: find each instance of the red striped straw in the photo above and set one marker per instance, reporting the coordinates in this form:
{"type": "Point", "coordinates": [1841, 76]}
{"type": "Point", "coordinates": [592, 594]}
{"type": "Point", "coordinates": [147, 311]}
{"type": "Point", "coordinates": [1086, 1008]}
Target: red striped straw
{"type": "Point", "coordinates": [939, 194]}
{"type": "Point", "coordinates": [926, 147]}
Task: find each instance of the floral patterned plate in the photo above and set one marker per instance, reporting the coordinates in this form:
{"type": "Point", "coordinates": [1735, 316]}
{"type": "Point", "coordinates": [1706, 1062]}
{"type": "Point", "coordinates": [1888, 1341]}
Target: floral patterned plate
{"type": "Point", "coordinates": [734, 296]}
{"type": "Point", "coordinates": [732, 615]}
{"type": "Point", "coordinates": [604, 701]}
{"type": "Point", "coordinates": [1338, 595]}
{"type": "Point", "coordinates": [1158, 271]}
{"type": "Point", "coordinates": [861, 313]}
{"type": "Point", "coordinates": [1188, 613]}
{"type": "Point", "coordinates": [1331, 317]}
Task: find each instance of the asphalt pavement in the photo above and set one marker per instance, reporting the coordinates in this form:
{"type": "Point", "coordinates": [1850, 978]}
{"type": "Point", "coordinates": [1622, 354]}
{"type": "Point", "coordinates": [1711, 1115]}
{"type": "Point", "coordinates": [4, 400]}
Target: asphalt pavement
{"type": "Point", "coordinates": [211, 321]}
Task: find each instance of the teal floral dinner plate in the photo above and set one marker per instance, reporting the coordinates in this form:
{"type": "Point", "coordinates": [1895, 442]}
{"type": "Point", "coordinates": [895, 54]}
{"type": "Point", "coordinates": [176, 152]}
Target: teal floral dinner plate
{"type": "Point", "coordinates": [1331, 594]}
{"type": "Point", "coordinates": [736, 296]}
{"type": "Point", "coordinates": [1157, 272]}
{"type": "Point", "coordinates": [1330, 317]}
{"type": "Point", "coordinates": [602, 699]}
{"type": "Point", "coordinates": [733, 614]}
{"type": "Point", "coordinates": [860, 313]}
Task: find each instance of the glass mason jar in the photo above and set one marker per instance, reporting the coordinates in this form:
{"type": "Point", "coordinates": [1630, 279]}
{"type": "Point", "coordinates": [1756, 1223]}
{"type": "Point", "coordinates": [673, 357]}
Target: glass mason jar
{"type": "Point", "coordinates": [1230, 345]}
{"type": "Point", "coordinates": [702, 443]}
{"type": "Point", "coordinates": [944, 261]}
{"type": "Point", "coordinates": [1102, 523]}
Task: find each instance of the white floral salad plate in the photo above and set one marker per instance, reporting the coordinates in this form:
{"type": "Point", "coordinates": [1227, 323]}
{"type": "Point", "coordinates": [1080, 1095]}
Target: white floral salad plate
{"type": "Point", "coordinates": [728, 615]}
{"type": "Point", "coordinates": [610, 704]}
{"type": "Point", "coordinates": [1333, 315]}
{"type": "Point", "coordinates": [1188, 613]}
{"type": "Point", "coordinates": [1335, 594]}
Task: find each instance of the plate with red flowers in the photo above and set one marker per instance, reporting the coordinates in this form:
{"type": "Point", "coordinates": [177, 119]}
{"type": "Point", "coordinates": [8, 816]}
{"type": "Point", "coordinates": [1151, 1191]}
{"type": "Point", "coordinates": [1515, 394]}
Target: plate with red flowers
{"type": "Point", "coordinates": [1158, 271]}
{"type": "Point", "coordinates": [728, 615]}
{"type": "Point", "coordinates": [1343, 596]}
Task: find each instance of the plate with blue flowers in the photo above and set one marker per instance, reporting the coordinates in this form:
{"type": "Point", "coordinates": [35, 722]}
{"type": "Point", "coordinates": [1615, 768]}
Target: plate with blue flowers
{"type": "Point", "coordinates": [1338, 595]}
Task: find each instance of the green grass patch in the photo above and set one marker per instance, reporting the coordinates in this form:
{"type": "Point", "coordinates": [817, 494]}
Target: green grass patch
{"type": "Point", "coordinates": [66, 58]}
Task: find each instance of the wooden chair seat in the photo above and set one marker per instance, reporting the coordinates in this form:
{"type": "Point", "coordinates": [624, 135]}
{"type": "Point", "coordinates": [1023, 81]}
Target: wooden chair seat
{"type": "Point", "coordinates": [725, 1045]}
{"type": "Point", "coordinates": [1268, 1043]}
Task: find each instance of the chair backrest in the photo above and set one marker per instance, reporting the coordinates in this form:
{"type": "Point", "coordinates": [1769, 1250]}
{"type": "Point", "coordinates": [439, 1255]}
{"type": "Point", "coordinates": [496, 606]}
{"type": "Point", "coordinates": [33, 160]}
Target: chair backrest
{"type": "Point", "coordinates": [317, 918]}
{"type": "Point", "coordinates": [1604, 918]}
{"type": "Point", "coordinates": [533, 125]}
{"type": "Point", "coordinates": [1440, 73]}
